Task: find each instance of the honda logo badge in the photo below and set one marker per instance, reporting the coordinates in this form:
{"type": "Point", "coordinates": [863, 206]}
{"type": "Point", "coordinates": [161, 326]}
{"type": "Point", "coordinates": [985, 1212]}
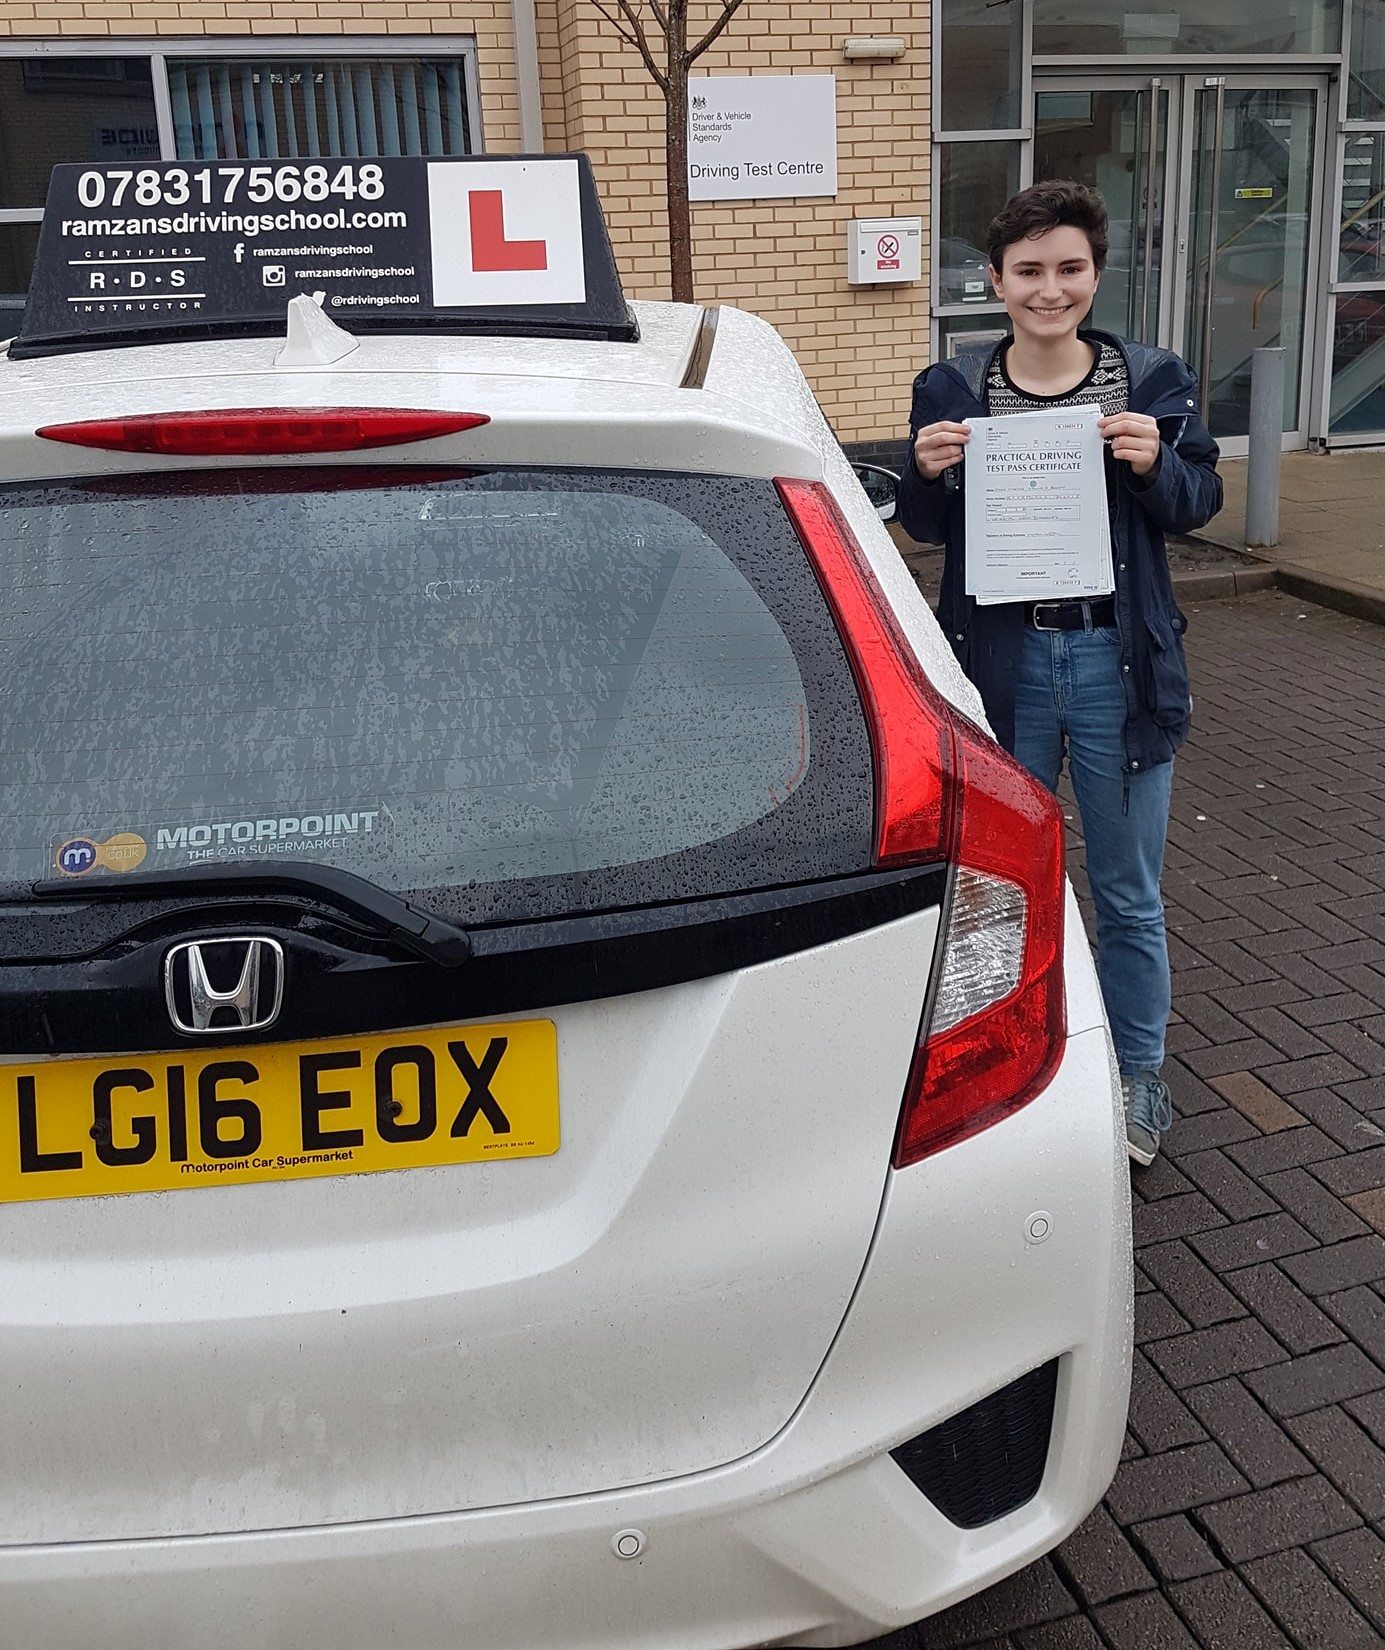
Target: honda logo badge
{"type": "Point", "coordinates": [230, 984]}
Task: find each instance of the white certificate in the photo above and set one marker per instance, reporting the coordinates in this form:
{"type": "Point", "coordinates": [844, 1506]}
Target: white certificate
{"type": "Point", "coordinates": [1037, 522]}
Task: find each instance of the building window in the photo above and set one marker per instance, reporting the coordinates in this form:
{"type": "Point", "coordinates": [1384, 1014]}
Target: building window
{"type": "Point", "coordinates": [982, 43]}
{"type": "Point", "coordinates": [974, 182]}
{"type": "Point", "coordinates": [959, 332]}
{"type": "Point", "coordinates": [981, 97]}
{"type": "Point", "coordinates": [1357, 402]}
{"type": "Point", "coordinates": [18, 244]}
{"type": "Point", "coordinates": [409, 106]}
{"type": "Point", "coordinates": [384, 99]}
{"type": "Point", "coordinates": [1361, 233]}
{"type": "Point", "coordinates": [1358, 364]}
{"type": "Point", "coordinates": [56, 109]}
{"type": "Point", "coordinates": [1095, 28]}
{"type": "Point", "coordinates": [1366, 83]}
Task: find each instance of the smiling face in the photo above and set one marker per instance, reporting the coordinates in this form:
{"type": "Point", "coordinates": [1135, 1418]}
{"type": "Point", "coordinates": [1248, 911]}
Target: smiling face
{"type": "Point", "coordinates": [1048, 283]}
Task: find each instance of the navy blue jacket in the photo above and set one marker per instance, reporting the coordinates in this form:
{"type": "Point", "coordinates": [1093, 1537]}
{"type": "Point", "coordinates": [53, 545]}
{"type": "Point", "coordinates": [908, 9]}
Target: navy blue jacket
{"type": "Point", "coordinates": [1182, 492]}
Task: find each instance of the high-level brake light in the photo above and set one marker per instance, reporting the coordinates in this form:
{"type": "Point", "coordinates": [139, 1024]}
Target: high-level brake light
{"type": "Point", "coordinates": [994, 1030]}
{"type": "Point", "coordinates": [263, 431]}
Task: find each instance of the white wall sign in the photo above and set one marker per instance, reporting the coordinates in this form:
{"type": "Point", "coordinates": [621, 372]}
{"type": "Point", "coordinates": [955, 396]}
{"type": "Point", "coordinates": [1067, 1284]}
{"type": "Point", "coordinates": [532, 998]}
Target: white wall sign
{"type": "Point", "coordinates": [506, 232]}
{"type": "Point", "coordinates": [751, 136]}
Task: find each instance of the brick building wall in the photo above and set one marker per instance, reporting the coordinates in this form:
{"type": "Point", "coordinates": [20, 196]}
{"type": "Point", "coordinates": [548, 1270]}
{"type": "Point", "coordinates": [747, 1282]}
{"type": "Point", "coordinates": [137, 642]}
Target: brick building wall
{"type": "Point", "coordinates": [784, 259]}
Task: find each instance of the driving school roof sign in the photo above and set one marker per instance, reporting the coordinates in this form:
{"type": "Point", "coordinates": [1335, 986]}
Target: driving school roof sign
{"type": "Point", "coordinates": [132, 254]}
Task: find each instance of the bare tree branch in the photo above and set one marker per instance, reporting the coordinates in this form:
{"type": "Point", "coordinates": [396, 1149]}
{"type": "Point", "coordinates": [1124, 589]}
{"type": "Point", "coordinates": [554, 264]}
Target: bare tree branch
{"type": "Point", "coordinates": [628, 19]}
{"type": "Point", "coordinates": [630, 9]}
{"type": "Point", "coordinates": [610, 17]}
{"type": "Point", "coordinates": [729, 8]}
{"type": "Point", "coordinates": [640, 41]}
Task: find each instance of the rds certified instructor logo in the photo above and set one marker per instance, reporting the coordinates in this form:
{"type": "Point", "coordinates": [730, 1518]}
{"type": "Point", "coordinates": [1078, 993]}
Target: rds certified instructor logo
{"type": "Point", "coordinates": [80, 854]}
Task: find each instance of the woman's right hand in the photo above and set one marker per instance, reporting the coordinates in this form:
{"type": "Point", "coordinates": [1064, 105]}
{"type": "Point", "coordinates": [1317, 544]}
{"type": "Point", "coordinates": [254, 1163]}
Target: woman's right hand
{"type": "Point", "coordinates": [937, 447]}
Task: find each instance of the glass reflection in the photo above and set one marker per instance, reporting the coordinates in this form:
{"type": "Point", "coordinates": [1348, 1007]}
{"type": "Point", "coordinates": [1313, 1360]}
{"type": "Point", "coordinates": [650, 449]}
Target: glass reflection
{"type": "Point", "coordinates": [975, 182]}
{"type": "Point", "coordinates": [983, 59]}
{"type": "Point", "coordinates": [1358, 364]}
{"type": "Point", "coordinates": [1366, 81]}
{"type": "Point", "coordinates": [1095, 28]}
{"type": "Point", "coordinates": [18, 244]}
{"type": "Point", "coordinates": [959, 332]}
{"type": "Point", "coordinates": [71, 109]}
{"type": "Point", "coordinates": [1103, 138]}
{"type": "Point", "coordinates": [1359, 237]}
{"type": "Point", "coordinates": [1248, 254]}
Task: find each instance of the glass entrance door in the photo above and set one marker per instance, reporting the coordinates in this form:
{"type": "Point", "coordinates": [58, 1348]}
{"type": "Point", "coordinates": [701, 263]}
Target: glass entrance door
{"type": "Point", "coordinates": [1250, 231]}
{"type": "Point", "coordinates": [1211, 185]}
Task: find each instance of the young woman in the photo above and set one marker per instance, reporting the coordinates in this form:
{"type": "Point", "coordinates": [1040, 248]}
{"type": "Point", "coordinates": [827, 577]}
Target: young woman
{"type": "Point", "coordinates": [1102, 680]}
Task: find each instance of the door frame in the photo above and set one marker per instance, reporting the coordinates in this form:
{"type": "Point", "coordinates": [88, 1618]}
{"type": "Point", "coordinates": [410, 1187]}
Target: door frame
{"type": "Point", "coordinates": [1181, 85]}
{"type": "Point", "coordinates": [1310, 343]}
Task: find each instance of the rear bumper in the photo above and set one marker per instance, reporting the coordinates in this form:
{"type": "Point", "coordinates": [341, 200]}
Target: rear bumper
{"type": "Point", "coordinates": [818, 1538]}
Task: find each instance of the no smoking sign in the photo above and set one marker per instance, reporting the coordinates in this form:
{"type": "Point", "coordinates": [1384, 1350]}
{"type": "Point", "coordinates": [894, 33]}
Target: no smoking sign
{"type": "Point", "coordinates": [881, 250]}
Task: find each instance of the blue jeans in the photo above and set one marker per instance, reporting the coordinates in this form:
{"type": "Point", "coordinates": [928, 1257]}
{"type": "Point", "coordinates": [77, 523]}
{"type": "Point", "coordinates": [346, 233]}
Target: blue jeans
{"type": "Point", "coordinates": [1070, 696]}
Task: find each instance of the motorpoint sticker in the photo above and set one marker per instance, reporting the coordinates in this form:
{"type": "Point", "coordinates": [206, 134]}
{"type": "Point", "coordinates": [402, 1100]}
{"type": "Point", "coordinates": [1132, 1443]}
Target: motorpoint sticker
{"type": "Point", "coordinates": [277, 828]}
{"type": "Point", "coordinates": [506, 232]}
{"type": "Point", "coordinates": [308, 832]}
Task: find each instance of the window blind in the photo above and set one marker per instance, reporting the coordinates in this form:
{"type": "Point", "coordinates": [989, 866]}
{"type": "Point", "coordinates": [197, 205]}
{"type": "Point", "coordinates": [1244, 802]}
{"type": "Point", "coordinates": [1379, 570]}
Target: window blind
{"type": "Point", "coordinates": [236, 110]}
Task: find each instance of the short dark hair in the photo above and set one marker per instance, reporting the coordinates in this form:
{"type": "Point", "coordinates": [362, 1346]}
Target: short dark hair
{"type": "Point", "coordinates": [1044, 206]}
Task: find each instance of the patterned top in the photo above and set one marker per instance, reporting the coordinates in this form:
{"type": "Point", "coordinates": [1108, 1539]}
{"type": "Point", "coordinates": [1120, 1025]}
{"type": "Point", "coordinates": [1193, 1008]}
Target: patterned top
{"type": "Point", "coordinates": [1107, 385]}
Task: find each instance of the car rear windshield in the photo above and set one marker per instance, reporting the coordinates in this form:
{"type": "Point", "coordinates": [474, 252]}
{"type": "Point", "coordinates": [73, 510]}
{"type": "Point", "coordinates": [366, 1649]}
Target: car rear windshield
{"type": "Point", "coordinates": [518, 692]}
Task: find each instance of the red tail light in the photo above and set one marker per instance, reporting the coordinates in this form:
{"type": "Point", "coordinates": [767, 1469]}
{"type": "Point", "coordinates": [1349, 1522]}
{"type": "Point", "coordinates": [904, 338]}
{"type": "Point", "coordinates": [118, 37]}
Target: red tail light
{"type": "Point", "coordinates": [255, 431]}
{"type": "Point", "coordinates": [946, 792]}
{"type": "Point", "coordinates": [909, 725]}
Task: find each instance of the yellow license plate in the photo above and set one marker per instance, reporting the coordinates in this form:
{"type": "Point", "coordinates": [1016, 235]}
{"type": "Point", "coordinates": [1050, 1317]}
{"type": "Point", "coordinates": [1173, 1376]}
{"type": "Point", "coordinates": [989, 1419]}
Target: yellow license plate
{"type": "Point", "coordinates": [285, 1111]}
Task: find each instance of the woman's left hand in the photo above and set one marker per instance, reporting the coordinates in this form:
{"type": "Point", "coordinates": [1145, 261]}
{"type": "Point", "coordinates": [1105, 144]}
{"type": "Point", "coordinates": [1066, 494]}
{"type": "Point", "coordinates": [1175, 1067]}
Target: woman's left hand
{"type": "Point", "coordinates": [1134, 437]}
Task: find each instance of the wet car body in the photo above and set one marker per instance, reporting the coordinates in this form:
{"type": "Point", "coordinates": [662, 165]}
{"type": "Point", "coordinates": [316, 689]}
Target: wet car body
{"type": "Point", "coordinates": [679, 1196]}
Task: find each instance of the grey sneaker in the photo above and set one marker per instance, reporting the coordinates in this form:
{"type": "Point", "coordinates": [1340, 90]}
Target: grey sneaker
{"type": "Point", "coordinates": [1148, 1113]}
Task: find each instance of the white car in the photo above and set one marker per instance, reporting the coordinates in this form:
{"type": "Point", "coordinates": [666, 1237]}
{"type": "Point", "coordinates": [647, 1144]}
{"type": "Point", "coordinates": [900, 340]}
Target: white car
{"type": "Point", "coordinates": [552, 1089]}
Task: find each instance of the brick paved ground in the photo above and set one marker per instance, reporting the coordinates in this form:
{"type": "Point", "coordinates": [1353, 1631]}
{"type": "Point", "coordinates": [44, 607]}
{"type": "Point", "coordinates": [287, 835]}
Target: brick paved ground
{"type": "Point", "coordinates": [1249, 1508]}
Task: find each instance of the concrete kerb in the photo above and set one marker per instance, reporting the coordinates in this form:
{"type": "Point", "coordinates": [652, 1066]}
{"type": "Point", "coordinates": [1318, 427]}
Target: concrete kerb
{"type": "Point", "coordinates": [1250, 573]}
{"type": "Point", "coordinates": [1262, 570]}
{"type": "Point", "coordinates": [1358, 601]}
{"type": "Point", "coordinates": [1219, 586]}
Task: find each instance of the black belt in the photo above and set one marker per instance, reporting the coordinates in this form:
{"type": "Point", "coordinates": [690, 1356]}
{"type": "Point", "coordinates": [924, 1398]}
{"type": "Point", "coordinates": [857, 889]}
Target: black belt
{"type": "Point", "coordinates": [1072, 615]}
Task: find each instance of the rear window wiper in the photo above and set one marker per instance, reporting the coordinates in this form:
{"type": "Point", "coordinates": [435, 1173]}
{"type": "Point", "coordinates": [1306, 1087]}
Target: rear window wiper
{"type": "Point", "coordinates": [387, 915]}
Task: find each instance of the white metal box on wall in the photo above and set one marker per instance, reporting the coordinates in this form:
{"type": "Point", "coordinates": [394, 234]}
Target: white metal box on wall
{"type": "Point", "coordinates": [880, 250]}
